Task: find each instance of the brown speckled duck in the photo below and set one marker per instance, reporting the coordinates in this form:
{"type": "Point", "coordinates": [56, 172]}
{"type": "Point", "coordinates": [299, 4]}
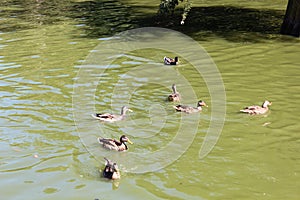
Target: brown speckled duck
{"type": "Point", "coordinates": [175, 96]}
{"type": "Point", "coordinates": [190, 109]}
{"type": "Point", "coordinates": [111, 170]}
{"type": "Point", "coordinates": [113, 144]}
{"type": "Point", "coordinates": [107, 117]}
{"type": "Point", "coordinates": [255, 110]}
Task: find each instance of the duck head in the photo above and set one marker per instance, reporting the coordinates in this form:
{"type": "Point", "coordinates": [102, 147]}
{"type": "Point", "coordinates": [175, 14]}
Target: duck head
{"type": "Point", "coordinates": [201, 103]}
{"type": "Point", "coordinates": [124, 139]}
{"type": "Point", "coordinates": [266, 104]}
{"type": "Point", "coordinates": [124, 110]}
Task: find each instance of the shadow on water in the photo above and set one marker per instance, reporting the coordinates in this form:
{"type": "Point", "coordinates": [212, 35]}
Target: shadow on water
{"type": "Point", "coordinates": [231, 23]}
{"type": "Point", "coordinates": [23, 14]}
{"type": "Point", "coordinates": [103, 18]}
{"type": "Point", "coordinates": [107, 17]}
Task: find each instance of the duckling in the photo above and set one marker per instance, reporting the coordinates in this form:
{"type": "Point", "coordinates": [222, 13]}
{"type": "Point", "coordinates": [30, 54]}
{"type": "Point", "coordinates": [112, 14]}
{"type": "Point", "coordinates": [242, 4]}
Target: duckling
{"type": "Point", "coordinates": [111, 170]}
{"type": "Point", "coordinates": [190, 109]}
{"type": "Point", "coordinates": [113, 144]}
{"type": "Point", "coordinates": [171, 61]}
{"type": "Point", "coordinates": [254, 110]}
{"type": "Point", "coordinates": [175, 96]}
{"type": "Point", "coordinates": [107, 117]}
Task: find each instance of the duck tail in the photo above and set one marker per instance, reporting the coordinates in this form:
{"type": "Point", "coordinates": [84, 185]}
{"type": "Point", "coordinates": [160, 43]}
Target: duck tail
{"type": "Point", "coordinates": [166, 60]}
{"type": "Point", "coordinates": [99, 140]}
{"type": "Point", "coordinates": [95, 116]}
{"type": "Point", "coordinates": [177, 107]}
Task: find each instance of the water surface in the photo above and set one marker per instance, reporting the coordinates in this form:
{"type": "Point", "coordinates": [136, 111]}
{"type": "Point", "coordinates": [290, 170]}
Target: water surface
{"type": "Point", "coordinates": [43, 45]}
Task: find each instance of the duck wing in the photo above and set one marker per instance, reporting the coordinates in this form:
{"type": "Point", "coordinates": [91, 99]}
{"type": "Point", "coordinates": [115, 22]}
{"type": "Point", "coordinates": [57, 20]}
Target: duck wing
{"type": "Point", "coordinates": [102, 116]}
{"type": "Point", "coordinates": [174, 97]}
{"type": "Point", "coordinates": [168, 61]}
{"type": "Point", "coordinates": [107, 117]}
{"type": "Point", "coordinates": [108, 143]}
{"type": "Point", "coordinates": [182, 108]}
{"type": "Point", "coordinates": [252, 107]}
{"type": "Point", "coordinates": [108, 172]}
{"type": "Point", "coordinates": [186, 109]}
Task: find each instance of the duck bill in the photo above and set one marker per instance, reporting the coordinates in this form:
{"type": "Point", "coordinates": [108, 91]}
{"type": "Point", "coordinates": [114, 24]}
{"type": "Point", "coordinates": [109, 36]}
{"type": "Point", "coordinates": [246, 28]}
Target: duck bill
{"type": "Point", "coordinates": [130, 110]}
{"type": "Point", "coordinates": [129, 141]}
{"type": "Point", "coordinates": [204, 104]}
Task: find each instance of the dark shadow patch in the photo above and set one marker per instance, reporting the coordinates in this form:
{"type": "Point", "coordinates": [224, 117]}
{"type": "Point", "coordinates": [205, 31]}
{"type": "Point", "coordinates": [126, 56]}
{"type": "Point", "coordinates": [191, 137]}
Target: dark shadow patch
{"type": "Point", "coordinates": [231, 23]}
{"type": "Point", "coordinates": [105, 18]}
{"type": "Point", "coordinates": [21, 15]}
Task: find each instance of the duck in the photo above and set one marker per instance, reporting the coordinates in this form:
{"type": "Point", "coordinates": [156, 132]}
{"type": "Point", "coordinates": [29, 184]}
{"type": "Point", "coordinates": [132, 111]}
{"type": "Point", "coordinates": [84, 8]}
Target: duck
{"type": "Point", "coordinates": [113, 144]}
{"type": "Point", "coordinates": [256, 110]}
{"type": "Point", "coordinates": [190, 109]}
{"type": "Point", "coordinates": [108, 117]}
{"type": "Point", "coordinates": [171, 61]}
{"type": "Point", "coordinates": [175, 96]}
{"type": "Point", "coordinates": [111, 170]}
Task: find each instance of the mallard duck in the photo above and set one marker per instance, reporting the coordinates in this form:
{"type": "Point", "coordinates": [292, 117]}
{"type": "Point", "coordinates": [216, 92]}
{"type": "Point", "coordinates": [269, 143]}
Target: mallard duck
{"type": "Point", "coordinates": [171, 61]}
{"type": "Point", "coordinates": [111, 170]}
{"type": "Point", "coordinates": [175, 96]}
{"type": "Point", "coordinates": [107, 117]}
{"type": "Point", "coordinates": [254, 110]}
{"type": "Point", "coordinates": [114, 144]}
{"type": "Point", "coordinates": [190, 109]}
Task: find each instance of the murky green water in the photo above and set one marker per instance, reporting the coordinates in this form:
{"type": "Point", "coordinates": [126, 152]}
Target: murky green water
{"type": "Point", "coordinates": [42, 46]}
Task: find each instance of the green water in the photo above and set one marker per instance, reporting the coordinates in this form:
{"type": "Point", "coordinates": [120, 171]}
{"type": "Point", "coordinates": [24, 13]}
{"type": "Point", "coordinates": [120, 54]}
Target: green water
{"type": "Point", "coordinates": [44, 154]}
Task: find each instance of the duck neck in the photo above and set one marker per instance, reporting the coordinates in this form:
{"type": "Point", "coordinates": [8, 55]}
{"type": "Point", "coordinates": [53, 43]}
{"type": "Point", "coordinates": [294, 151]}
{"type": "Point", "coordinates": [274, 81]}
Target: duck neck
{"type": "Point", "coordinates": [125, 145]}
{"type": "Point", "coordinates": [123, 111]}
{"type": "Point", "coordinates": [265, 105]}
{"type": "Point", "coordinates": [174, 89]}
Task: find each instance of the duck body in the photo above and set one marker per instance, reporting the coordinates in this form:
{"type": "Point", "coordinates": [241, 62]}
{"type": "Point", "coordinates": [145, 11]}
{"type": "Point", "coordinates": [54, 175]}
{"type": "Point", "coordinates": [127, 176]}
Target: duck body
{"type": "Point", "coordinates": [171, 61]}
{"type": "Point", "coordinates": [111, 170]}
{"type": "Point", "coordinates": [175, 96]}
{"type": "Point", "coordinates": [190, 109]}
{"type": "Point", "coordinates": [113, 144]}
{"type": "Point", "coordinates": [256, 110]}
{"type": "Point", "coordinates": [108, 117]}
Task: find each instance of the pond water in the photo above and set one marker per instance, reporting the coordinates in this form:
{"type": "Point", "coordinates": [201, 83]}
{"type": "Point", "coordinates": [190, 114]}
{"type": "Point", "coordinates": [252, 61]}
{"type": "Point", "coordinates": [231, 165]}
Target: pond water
{"type": "Point", "coordinates": [48, 139]}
